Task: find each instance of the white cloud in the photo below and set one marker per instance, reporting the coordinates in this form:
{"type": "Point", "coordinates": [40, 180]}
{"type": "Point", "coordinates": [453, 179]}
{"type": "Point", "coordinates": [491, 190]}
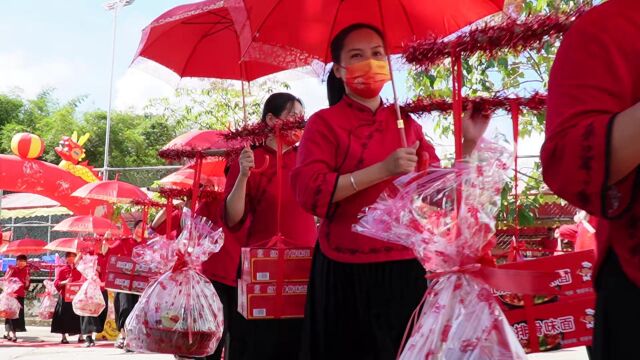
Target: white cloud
{"type": "Point", "coordinates": [135, 88]}
{"type": "Point", "coordinates": [33, 75]}
{"type": "Point", "coordinates": [312, 92]}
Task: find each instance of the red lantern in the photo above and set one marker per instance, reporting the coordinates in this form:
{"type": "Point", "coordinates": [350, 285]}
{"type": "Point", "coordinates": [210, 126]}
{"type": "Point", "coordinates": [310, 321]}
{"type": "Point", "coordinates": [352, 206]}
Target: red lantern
{"type": "Point", "coordinates": [27, 146]}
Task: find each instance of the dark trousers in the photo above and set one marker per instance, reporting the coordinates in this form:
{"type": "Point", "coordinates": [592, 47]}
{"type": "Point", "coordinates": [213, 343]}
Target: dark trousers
{"type": "Point", "coordinates": [617, 313]}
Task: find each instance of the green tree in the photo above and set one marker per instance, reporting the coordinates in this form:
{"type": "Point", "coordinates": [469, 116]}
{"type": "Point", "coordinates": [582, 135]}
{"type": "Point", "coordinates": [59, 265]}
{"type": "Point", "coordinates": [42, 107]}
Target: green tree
{"type": "Point", "coordinates": [219, 105]}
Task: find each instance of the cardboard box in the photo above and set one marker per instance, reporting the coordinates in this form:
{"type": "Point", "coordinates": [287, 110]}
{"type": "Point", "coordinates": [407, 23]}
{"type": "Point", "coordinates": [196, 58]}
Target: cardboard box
{"type": "Point", "coordinates": [574, 277]}
{"type": "Point", "coordinates": [70, 290]}
{"type": "Point", "coordinates": [262, 264]}
{"type": "Point", "coordinates": [271, 300]}
{"type": "Point", "coordinates": [564, 320]}
{"type": "Point", "coordinates": [559, 325]}
{"type": "Point", "coordinates": [126, 265]}
{"type": "Point", "coordinates": [126, 283]}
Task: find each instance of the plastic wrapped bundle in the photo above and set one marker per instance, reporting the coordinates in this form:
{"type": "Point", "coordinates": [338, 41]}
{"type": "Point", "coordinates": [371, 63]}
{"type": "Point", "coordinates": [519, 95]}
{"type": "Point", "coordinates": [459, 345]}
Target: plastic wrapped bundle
{"type": "Point", "coordinates": [48, 304]}
{"type": "Point", "coordinates": [9, 305]}
{"type": "Point", "coordinates": [89, 301]}
{"type": "Point", "coordinates": [180, 313]}
{"type": "Point", "coordinates": [158, 254]}
{"type": "Point", "coordinates": [447, 217]}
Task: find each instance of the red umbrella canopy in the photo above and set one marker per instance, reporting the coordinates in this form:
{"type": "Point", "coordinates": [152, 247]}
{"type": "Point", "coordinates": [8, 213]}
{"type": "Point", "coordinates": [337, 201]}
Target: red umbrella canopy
{"type": "Point", "coordinates": [293, 33]}
{"type": "Point", "coordinates": [199, 40]}
{"type": "Point", "coordinates": [74, 245]}
{"type": "Point", "coordinates": [24, 247]}
{"type": "Point", "coordinates": [87, 224]}
{"type": "Point", "coordinates": [114, 191]}
{"type": "Point", "coordinates": [198, 140]}
{"type": "Point", "coordinates": [212, 175]}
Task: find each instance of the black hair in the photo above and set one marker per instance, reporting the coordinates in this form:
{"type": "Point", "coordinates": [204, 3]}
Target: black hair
{"type": "Point", "coordinates": [69, 253]}
{"type": "Point", "coordinates": [135, 225]}
{"type": "Point", "coordinates": [278, 103]}
{"type": "Point", "coordinates": [21, 257]}
{"type": "Point", "coordinates": [335, 85]}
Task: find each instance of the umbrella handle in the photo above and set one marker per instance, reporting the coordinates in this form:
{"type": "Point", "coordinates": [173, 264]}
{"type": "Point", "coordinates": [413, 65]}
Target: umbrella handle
{"type": "Point", "coordinates": [261, 168]}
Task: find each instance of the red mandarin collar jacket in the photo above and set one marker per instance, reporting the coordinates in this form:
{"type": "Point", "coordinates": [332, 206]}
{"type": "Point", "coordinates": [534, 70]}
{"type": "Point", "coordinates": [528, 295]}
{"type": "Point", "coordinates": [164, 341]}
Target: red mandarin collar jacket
{"type": "Point", "coordinates": [340, 140]}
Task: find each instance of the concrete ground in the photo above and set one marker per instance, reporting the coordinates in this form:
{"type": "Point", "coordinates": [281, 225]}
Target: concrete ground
{"type": "Point", "coordinates": [39, 343]}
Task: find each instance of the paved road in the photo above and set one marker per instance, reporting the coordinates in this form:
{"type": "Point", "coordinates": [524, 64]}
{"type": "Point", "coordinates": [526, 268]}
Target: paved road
{"type": "Point", "coordinates": [39, 343]}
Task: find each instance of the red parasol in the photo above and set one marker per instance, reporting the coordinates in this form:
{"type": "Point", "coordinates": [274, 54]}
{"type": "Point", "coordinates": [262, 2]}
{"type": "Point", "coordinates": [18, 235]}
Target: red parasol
{"type": "Point", "coordinates": [114, 191]}
{"type": "Point", "coordinates": [74, 245]}
{"type": "Point", "coordinates": [87, 224]}
{"type": "Point", "coordinates": [198, 140]}
{"type": "Point", "coordinates": [212, 176]}
{"type": "Point", "coordinates": [311, 25]}
{"type": "Point", "coordinates": [279, 29]}
{"type": "Point", "coordinates": [24, 247]}
{"type": "Point", "coordinates": [200, 40]}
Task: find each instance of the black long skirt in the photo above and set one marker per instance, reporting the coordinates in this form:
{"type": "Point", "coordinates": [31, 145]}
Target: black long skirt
{"type": "Point", "coordinates": [229, 297]}
{"type": "Point", "coordinates": [265, 339]}
{"type": "Point", "coordinates": [617, 312]}
{"type": "Point", "coordinates": [16, 325]}
{"type": "Point", "coordinates": [359, 311]}
{"type": "Point", "coordinates": [65, 321]}
{"type": "Point", "coordinates": [95, 324]}
{"type": "Point", "coordinates": [123, 304]}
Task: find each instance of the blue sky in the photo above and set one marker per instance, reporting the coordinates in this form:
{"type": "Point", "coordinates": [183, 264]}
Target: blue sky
{"type": "Point", "coordinates": [66, 44]}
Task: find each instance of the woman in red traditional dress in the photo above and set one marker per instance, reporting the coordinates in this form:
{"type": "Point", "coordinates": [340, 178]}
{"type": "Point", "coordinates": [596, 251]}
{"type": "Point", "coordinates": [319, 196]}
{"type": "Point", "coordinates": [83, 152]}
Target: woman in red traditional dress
{"type": "Point", "coordinates": [591, 155]}
{"type": "Point", "coordinates": [20, 272]}
{"type": "Point", "coordinates": [251, 206]}
{"type": "Point", "coordinates": [362, 290]}
{"type": "Point", "coordinates": [65, 321]}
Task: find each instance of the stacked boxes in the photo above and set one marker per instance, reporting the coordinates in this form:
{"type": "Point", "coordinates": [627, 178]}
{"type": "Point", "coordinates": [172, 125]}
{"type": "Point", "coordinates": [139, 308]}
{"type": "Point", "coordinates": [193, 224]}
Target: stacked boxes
{"type": "Point", "coordinates": [274, 282]}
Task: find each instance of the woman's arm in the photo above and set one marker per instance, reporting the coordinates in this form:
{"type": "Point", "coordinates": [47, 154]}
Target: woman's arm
{"type": "Point", "coordinates": [236, 200]}
{"type": "Point", "coordinates": [625, 144]}
{"type": "Point", "coordinates": [401, 161]}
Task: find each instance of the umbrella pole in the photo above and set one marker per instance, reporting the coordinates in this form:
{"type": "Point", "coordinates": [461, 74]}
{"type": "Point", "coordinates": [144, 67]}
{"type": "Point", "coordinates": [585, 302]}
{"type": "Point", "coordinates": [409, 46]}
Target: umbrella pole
{"type": "Point", "coordinates": [145, 214]}
{"type": "Point", "coordinates": [400, 123]}
{"type": "Point", "coordinates": [169, 217]}
{"type": "Point", "coordinates": [403, 135]}
{"type": "Point", "coordinates": [244, 101]}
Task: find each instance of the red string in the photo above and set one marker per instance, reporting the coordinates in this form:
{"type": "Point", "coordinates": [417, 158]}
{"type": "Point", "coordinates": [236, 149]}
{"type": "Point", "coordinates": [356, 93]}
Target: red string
{"type": "Point", "coordinates": [515, 113]}
{"type": "Point", "coordinates": [413, 321]}
{"type": "Point", "coordinates": [145, 215]}
{"type": "Point", "coordinates": [456, 73]}
{"type": "Point", "coordinates": [279, 151]}
{"type": "Point", "coordinates": [196, 182]}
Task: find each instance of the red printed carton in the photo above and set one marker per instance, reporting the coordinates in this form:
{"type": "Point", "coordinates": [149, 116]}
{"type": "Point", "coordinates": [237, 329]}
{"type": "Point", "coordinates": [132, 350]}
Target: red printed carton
{"type": "Point", "coordinates": [71, 289]}
{"type": "Point", "coordinates": [564, 320]}
{"type": "Point", "coordinates": [126, 265]}
{"type": "Point", "coordinates": [271, 300]}
{"type": "Point", "coordinates": [574, 277]}
{"type": "Point", "coordinates": [262, 264]}
{"type": "Point", "coordinates": [559, 325]}
{"type": "Point", "coordinates": [126, 283]}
